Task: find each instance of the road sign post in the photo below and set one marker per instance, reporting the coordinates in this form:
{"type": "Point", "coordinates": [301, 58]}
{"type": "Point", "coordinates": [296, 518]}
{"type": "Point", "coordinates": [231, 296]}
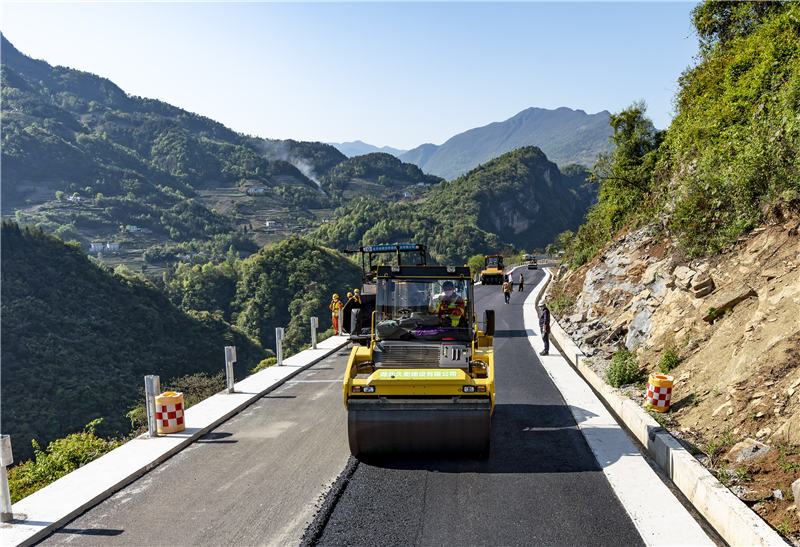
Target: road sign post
{"type": "Point", "coordinates": [152, 387]}
{"type": "Point", "coordinates": [279, 344]}
{"type": "Point", "coordinates": [314, 326]}
{"type": "Point", "coordinates": [230, 358]}
{"type": "Point", "coordinates": [6, 459]}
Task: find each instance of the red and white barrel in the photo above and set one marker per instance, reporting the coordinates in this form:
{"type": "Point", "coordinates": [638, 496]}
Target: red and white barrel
{"type": "Point", "coordinates": [169, 413]}
{"type": "Point", "coordinates": [659, 392]}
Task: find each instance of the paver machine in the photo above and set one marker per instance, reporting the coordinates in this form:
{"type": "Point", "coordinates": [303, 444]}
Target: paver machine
{"type": "Point", "coordinates": [356, 316]}
{"type": "Point", "coordinates": [493, 272]}
{"type": "Point", "coordinates": [424, 382]}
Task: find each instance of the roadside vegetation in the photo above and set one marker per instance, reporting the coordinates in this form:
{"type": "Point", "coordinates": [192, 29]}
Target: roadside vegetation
{"type": "Point", "coordinates": [729, 159]}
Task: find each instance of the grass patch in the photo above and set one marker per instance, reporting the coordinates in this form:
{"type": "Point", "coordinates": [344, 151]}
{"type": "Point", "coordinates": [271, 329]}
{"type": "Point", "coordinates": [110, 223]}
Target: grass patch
{"type": "Point", "coordinates": [669, 360]}
{"type": "Point", "coordinates": [624, 368]}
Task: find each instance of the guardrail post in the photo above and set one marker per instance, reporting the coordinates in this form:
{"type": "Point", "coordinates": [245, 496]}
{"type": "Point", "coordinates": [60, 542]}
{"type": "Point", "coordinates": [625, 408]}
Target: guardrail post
{"type": "Point", "coordinates": [6, 459]}
{"type": "Point", "coordinates": [230, 358]}
{"type": "Point", "coordinates": [314, 326]}
{"type": "Point", "coordinates": [152, 387]}
{"type": "Point", "coordinates": [279, 345]}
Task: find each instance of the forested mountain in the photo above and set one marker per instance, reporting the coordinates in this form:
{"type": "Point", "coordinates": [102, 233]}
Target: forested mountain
{"type": "Point", "coordinates": [378, 174]}
{"type": "Point", "coordinates": [566, 136]}
{"type": "Point", "coordinates": [519, 199]}
{"type": "Point", "coordinates": [78, 340]}
{"type": "Point", "coordinates": [82, 157]}
{"type": "Point", "coordinates": [82, 337]}
{"type": "Point", "coordinates": [359, 148]}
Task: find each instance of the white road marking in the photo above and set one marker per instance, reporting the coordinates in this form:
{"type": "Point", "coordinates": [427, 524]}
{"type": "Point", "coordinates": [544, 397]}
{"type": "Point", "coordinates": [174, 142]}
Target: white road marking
{"type": "Point", "coordinates": [658, 516]}
{"type": "Point", "coordinates": [314, 381]}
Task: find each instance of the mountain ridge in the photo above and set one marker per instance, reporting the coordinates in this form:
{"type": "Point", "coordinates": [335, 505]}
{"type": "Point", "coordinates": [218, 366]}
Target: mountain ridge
{"type": "Point", "coordinates": [553, 131]}
{"type": "Point", "coordinates": [359, 148]}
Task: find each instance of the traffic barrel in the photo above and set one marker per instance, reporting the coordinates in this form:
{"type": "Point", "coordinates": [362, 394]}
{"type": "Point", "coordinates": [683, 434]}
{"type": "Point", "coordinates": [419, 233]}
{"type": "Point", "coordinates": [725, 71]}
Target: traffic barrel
{"type": "Point", "coordinates": [659, 392]}
{"type": "Point", "coordinates": [169, 412]}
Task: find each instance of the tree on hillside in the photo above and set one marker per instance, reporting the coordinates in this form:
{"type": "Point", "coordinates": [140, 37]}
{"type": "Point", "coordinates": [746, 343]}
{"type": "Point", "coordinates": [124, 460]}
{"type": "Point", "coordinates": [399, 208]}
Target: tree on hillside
{"type": "Point", "coordinates": [720, 22]}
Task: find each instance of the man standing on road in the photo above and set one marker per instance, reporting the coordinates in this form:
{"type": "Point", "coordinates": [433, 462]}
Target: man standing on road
{"type": "Point", "coordinates": [521, 280]}
{"type": "Point", "coordinates": [544, 327]}
{"type": "Point", "coordinates": [507, 288]}
{"type": "Point", "coordinates": [335, 306]}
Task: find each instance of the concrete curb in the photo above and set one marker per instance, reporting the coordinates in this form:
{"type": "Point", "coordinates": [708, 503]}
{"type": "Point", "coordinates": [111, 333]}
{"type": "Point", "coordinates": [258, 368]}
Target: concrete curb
{"type": "Point", "coordinates": [48, 509]}
{"type": "Point", "coordinates": [729, 516]}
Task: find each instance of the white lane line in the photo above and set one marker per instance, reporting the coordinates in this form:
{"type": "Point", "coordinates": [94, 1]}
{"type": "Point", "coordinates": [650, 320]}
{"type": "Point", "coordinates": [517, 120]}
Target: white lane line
{"type": "Point", "coordinates": [314, 381]}
{"type": "Point", "coordinates": [658, 516]}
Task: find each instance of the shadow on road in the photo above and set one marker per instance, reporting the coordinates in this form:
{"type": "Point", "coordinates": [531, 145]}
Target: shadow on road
{"type": "Point", "coordinates": [90, 531]}
{"type": "Point", "coordinates": [216, 437]}
{"type": "Point", "coordinates": [514, 333]}
{"type": "Point", "coordinates": [525, 439]}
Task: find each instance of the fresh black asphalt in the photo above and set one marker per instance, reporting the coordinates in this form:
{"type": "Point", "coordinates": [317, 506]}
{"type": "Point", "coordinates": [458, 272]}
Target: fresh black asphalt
{"type": "Point", "coordinates": [540, 485]}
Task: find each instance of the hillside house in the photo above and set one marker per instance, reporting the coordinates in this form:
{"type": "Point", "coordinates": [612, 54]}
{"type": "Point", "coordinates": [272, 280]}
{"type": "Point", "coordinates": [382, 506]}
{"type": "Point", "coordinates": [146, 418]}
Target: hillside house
{"type": "Point", "coordinates": [112, 247]}
{"type": "Point", "coordinates": [95, 248]}
{"type": "Point", "coordinates": [271, 224]}
{"type": "Point", "coordinates": [256, 191]}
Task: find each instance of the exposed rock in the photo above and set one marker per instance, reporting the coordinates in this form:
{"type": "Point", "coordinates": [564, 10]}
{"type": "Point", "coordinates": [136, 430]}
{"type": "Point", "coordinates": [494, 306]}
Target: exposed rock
{"type": "Point", "coordinates": [796, 489]}
{"type": "Point", "coordinates": [726, 299]}
{"type": "Point", "coordinates": [746, 494]}
{"type": "Point", "coordinates": [764, 432]}
{"type": "Point", "coordinates": [788, 432]}
{"type": "Point", "coordinates": [575, 318]}
{"type": "Point", "coordinates": [702, 285]}
{"type": "Point", "coordinates": [683, 276]}
{"type": "Point", "coordinates": [721, 407]}
{"type": "Point", "coordinates": [777, 494]}
{"type": "Point", "coordinates": [639, 329]}
{"type": "Point", "coordinates": [746, 450]}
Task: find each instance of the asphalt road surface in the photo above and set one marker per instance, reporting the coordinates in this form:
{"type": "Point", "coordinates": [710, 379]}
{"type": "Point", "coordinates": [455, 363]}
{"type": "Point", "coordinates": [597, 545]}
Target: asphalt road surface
{"type": "Point", "coordinates": [540, 485]}
{"type": "Point", "coordinates": [260, 477]}
{"type": "Point", "coordinates": [255, 480]}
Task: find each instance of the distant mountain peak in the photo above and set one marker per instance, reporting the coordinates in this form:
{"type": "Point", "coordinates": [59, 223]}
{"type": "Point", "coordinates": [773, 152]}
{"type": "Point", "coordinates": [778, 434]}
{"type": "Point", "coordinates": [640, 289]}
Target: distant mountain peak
{"type": "Point", "coordinates": [564, 134]}
{"type": "Point", "coordinates": [359, 148]}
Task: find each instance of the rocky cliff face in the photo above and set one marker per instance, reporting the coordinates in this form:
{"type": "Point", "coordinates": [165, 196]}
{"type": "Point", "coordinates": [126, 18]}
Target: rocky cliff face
{"type": "Point", "coordinates": [734, 320]}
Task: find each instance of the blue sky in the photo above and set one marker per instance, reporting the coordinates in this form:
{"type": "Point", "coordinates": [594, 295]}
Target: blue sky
{"type": "Point", "coordinates": [397, 74]}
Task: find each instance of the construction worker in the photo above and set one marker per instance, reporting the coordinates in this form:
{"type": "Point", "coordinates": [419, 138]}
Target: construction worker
{"type": "Point", "coordinates": [335, 306]}
{"type": "Point", "coordinates": [357, 297]}
{"type": "Point", "coordinates": [451, 307]}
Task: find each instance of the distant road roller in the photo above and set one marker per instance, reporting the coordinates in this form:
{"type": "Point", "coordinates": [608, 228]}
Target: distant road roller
{"type": "Point", "coordinates": [425, 381]}
{"type": "Point", "coordinates": [493, 272]}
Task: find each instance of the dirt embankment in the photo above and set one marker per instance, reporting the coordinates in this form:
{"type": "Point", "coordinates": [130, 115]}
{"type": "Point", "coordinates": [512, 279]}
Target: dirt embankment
{"type": "Point", "coordinates": [734, 321]}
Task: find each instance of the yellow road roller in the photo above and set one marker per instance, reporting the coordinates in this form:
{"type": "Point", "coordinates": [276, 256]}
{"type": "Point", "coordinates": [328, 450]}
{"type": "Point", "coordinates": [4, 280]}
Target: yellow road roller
{"type": "Point", "coordinates": [425, 381]}
{"type": "Point", "coordinates": [494, 272]}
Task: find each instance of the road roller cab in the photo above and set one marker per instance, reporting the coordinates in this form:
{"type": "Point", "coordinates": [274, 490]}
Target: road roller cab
{"type": "Point", "coordinates": [357, 314]}
{"type": "Point", "coordinates": [425, 381]}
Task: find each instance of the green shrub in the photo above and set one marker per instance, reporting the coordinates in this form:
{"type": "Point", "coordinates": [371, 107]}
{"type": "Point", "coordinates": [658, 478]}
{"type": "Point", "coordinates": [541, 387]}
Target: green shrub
{"type": "Point", "coordinates": [624, 368]}
{"type": "Point", "coordinates": [559, 303]}
{"type": "Point", "coordinates": [61, 457]}
{"type": "Point", "coordinates": [669, 360]}
{"type": "Point", "coordinates": [265, 363]}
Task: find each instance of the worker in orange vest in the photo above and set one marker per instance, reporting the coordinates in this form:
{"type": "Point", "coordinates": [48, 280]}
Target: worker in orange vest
{"type": "Point", "coordinates": [357, 296]}
{"type": "Point", "coordinates": [335, 306]}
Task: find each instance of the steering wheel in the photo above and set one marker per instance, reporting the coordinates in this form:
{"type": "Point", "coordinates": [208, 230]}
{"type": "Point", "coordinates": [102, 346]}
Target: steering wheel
{"type": "Point", "coordinates": [405, 313]}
